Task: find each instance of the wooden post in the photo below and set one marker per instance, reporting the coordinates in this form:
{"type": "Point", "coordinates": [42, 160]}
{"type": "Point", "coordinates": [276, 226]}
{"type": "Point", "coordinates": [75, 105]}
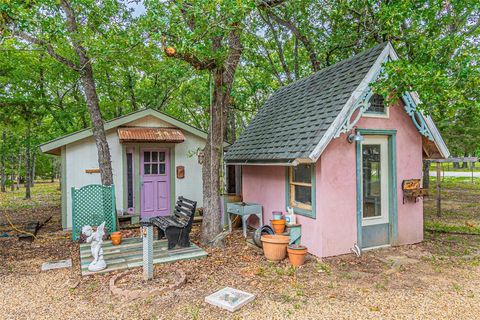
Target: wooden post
{"type": "Point", "coordinates": [439, 208]}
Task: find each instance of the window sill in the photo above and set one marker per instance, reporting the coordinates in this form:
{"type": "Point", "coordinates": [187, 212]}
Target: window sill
{"type": "Point", "coordinates": [305, 213]}
{"type": "Point", "coordinates": [385, 115]}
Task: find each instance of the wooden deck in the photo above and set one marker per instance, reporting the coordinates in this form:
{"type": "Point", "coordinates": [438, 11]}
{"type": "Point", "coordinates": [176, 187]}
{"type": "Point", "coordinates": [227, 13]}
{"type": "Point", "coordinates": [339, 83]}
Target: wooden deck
{"type": "Point", "coordinates": [129, 254]}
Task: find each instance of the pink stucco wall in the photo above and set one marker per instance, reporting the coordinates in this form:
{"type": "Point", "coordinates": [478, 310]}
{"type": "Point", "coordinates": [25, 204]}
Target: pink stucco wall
{"type": "Point", "coordinates": [334, 231]}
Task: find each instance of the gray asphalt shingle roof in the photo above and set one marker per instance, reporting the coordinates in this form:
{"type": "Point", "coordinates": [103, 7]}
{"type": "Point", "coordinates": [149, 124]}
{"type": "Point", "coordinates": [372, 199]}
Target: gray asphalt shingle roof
{"type": "Point", "coordinates": [295, 117]}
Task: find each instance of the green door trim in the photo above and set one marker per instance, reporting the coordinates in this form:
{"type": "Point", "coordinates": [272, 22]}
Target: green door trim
{"type": "Point", "coordinates": [63, 186]}
{"type": "Point", "coordinates": [392, 177]}
{"type": "Point", "coordinates": [136, 168]}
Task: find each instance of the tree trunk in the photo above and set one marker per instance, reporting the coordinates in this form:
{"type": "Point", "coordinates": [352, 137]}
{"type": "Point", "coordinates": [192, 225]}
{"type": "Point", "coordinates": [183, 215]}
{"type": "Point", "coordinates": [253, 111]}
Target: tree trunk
{"type": "Point", "coordinates": [52, 174]}
{"type": "Point", "coordinates": [19, 170]}
{"type": "Point", "coordinates": [104, 159]}
{"type": "Point", "coordinates": [426, 174]}
{"type": "Point", "coordinates": [12, 173]}
{"type": "Point", "coordinates": [88, 80]}
{"type": "Point", "coordinates": [3, 176]}
{"type": "Point", "coordinates": [223, 77]}
{"type": "Point", "coordinates": [28, 171]}
{"type": "Point", "coordinates": [212, 216]}
{"type": "Point", "coordinates": [34, 166]}
{"type": "Point", "coordinates": [131, 89]}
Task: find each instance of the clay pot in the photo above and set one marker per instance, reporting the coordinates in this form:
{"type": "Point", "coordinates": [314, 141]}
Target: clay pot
{"type": "Point", "coordinates": [277, 215]}
{"type": "Point", "coordinates": [278, 226]}
{"type": "Point", "coordinates": [297, 254]}
{"type": "Point", "coordinates": [266, 229]}
{"type": "Point", "coordinates": [275, 246]}
{"type": "Point", "coordinates": [116, 238]}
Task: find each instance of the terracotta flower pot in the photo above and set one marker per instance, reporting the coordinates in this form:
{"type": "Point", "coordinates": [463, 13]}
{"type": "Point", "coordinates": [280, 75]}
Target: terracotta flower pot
{"type": "Point", "coordinates": [275, 246]}
{"type": "Point", "coordinates": [278, 226]}
{"type": "Point", "coordinates": [116, 238]}
{"type": "Point", "coordinates": [297, 254]}
{"type": "Point", "coordinates": [277, 215]}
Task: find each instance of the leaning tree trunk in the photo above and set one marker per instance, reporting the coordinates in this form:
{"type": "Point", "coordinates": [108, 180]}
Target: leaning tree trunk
{"type": "Point", "coordinates": [88, 80]}
{"type": "Point", "coordinates": [104, 159]}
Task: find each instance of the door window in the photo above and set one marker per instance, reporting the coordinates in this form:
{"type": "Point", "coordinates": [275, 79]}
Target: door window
{"type": "Point", "coordinates": [372, 188]}
{"type": "Point", "coordinates": [375, 185]}
{"type": "Point", "coordinates": [154, 162]}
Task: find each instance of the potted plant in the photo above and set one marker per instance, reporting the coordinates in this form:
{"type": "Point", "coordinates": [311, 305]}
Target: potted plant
{"type": "Point", "coordinates": [275, 246]}
{"type": "Point", "coordinates": [278, 226]}
{"type": "Point", "coordinates": [297, 254]}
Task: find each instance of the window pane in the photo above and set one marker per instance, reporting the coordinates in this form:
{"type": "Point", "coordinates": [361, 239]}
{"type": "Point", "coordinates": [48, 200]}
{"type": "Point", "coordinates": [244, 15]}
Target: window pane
{"type": "Point", "coordinates": [154, 168]}
{"type": "Point", "coordinates": [371, 181]}
{"type": "Point", "coordinates": [302, 173]}
{"type": "Point", "coordinates": [161, 156]}
{"type": "Point", "coordinates": [377, 104]}
{"type": "Point", "coordinates": [154, 156]}
{"type": "Point", "coordinates": [162, 168]}
{"type": "Point", "coordinates": [146, 168]}
{"type": "Point", "coordinates": [303, 195]}
{"type": "Point", "coordinates": [146, 156]}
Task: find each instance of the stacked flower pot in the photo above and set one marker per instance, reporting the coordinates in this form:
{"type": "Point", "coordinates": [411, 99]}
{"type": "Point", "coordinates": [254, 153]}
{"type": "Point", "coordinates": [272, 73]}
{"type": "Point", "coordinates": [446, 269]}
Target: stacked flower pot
{"type": "Point", "coordinates": [276, 246]}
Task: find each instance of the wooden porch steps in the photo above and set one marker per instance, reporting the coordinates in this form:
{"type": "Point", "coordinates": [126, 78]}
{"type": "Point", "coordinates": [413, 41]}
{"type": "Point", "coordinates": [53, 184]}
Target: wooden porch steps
{"type": "Point", "coordinates": [130, 254]}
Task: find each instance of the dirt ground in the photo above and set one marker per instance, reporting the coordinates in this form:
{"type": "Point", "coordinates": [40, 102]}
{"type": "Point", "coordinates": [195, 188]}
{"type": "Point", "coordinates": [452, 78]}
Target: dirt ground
{"type": "Point", "coordinates": [437, 279]}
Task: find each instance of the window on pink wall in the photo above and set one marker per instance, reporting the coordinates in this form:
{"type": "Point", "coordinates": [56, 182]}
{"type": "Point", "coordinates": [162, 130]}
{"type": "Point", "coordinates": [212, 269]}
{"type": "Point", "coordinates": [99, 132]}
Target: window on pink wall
{"type": "Point", "coordinates": [301, 189]}
{"type": "Point", "coordinates": [377, 105]}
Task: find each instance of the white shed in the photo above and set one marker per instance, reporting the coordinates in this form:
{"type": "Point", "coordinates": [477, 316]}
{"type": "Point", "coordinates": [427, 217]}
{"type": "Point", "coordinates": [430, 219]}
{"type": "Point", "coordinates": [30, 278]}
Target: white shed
{"type": "Point", "coordinates": [154, 160]}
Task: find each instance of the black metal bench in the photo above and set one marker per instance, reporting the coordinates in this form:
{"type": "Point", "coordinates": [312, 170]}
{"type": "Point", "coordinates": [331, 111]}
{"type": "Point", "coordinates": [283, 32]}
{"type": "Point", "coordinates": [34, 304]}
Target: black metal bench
{"type": "Point", "coordinates": [176, 228]}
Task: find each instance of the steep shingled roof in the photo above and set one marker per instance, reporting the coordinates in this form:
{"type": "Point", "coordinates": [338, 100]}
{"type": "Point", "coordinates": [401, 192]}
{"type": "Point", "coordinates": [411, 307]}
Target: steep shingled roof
{"type": "Point", "coordinates": [294, 119]}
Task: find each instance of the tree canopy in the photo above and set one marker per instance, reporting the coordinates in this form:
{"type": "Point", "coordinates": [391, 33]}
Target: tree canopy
{"type": "Point", "coordinates": [43, 97]}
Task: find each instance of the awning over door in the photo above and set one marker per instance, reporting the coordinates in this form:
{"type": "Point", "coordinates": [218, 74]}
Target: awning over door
{"type": "Point", "coordinates": [148, 134]}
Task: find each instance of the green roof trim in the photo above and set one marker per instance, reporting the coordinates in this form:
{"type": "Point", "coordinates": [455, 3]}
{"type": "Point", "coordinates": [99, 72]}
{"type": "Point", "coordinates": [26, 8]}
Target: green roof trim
{"type": "Point", "coordinates": [51, 146]}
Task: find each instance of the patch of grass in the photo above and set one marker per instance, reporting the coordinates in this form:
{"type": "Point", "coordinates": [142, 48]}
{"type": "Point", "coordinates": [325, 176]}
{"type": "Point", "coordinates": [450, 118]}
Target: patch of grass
{"type": "Point", "coordinates": [41, 194]}
{"type": "Point", "coordinates": [194, 312]}
{"type": "Point", "coordinates": [456, 287]}
{"type": "Point", "coordinates": [279, 270]}
{"type": "Point", "coordinates": [438, 226]}
{"type": "Point", "coordinates": [323, 267]}
{"type": "Point", "coordinates": [382, 285]}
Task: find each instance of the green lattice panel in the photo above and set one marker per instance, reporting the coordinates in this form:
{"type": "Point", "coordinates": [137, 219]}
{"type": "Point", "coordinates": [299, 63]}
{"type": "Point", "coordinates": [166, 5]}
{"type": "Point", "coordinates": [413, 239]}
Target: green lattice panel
{"type": "Point", "coordinates": [91, 205]}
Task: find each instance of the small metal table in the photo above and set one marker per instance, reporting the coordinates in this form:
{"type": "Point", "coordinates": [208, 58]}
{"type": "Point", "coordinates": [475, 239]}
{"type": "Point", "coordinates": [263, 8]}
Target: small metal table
{"type": "Point", "coordinates": [244, 210]}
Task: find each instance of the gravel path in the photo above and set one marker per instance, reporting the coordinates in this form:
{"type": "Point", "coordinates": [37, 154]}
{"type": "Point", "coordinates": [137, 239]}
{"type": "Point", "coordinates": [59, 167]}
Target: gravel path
{"type": "Point", "coordinates": [434, 286]}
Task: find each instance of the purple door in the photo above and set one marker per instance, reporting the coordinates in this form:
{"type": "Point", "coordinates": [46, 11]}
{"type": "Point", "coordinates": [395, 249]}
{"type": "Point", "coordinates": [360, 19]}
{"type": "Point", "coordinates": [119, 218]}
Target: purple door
{"type": "Point", "coordinates": [155, 182]}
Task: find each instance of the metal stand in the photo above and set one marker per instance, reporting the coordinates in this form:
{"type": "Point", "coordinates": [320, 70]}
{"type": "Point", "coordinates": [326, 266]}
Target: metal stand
{"type": "Point", "coordinates": [147, 237]}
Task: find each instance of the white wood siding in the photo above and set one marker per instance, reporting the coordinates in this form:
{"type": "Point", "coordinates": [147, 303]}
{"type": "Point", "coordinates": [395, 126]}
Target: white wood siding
{"type": "Point", "coordinates": [82, 155]}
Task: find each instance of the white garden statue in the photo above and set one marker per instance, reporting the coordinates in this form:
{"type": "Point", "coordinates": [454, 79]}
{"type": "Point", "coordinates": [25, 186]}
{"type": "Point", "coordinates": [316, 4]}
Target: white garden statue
{"type": "Point", "coordinates": [96, 240]}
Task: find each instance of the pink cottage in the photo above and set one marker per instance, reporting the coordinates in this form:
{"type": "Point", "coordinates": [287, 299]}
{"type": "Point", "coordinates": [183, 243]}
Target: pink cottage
{"type": "Point", "coordinates": [329, 148]}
